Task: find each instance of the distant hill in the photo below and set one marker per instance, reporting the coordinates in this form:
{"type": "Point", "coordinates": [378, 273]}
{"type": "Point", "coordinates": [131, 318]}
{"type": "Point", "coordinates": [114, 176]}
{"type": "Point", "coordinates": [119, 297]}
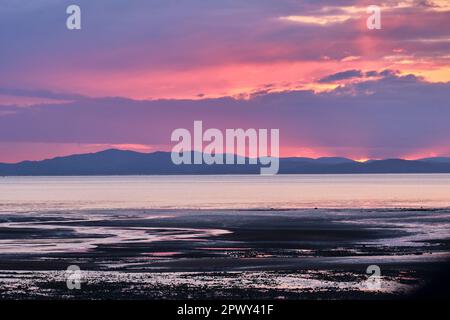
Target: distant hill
{"type": "Point", "coordinates": [324, 160]}
{"type": "Point", "coordinates": [437, 159]}
{"type": "Point", "coordinates": [118, 162]}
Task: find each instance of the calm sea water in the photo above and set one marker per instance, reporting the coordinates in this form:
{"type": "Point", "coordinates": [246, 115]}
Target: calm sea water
{"type": "Point", "coordinates": [210, 192]}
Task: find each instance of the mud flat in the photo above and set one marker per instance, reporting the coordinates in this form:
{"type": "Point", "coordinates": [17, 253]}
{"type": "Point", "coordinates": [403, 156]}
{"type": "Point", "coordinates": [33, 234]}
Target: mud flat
{"type": "Point", "coordinates": [284, 254]}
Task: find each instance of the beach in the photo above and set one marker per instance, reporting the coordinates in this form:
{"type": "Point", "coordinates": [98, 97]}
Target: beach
{"type": "Point", "coordinates": [231, 254]}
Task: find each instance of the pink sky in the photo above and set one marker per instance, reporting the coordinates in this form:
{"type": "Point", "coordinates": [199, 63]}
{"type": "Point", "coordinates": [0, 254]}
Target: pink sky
{"type": "Point", "coordinates": [196, 52]}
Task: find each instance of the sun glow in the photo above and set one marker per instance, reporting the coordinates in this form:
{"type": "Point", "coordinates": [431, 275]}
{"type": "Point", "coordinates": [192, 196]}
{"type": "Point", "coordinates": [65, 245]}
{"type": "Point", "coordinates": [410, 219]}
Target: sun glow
{"type": "Point", "coordinates": [318, 20]}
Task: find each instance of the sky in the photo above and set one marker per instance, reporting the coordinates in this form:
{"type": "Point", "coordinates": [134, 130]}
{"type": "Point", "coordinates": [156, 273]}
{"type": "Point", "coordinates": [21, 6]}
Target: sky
{"type": "Point", "coordinates": [138, 69]}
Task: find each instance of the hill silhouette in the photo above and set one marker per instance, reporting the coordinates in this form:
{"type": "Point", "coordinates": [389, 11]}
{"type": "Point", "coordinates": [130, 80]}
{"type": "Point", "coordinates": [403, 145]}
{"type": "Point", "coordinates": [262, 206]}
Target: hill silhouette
{"type": "Point", "coordinates": [120, 162]}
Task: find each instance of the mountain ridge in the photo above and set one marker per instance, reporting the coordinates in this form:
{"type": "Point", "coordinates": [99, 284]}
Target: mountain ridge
{"type": "Point", "coordinates": [126, 162]}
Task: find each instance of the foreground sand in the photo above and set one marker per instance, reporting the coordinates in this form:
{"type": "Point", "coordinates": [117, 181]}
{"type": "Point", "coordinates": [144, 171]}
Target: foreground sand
{"type": "Point", "coordinates": [298, 254]}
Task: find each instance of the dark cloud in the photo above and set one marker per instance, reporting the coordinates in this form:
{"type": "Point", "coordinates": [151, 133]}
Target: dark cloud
{"type": "Point", "coordinates": [351, 74]}
{"type": "Point", "coordinates": [40, 94]}
{"type": "Point", "coordinates": [342, 76]}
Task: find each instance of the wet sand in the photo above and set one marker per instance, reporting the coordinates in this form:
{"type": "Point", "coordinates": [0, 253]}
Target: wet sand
{"type": "Point", "coordinates": [293, 254]}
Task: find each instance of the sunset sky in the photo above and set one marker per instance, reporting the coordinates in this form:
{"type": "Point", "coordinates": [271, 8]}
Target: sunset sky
{"type": "Point", "coordinates": [138, 69]}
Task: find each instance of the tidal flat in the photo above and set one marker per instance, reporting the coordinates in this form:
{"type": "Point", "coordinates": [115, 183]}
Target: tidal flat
{"type": "Point", "coordinates": [230, 254]}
